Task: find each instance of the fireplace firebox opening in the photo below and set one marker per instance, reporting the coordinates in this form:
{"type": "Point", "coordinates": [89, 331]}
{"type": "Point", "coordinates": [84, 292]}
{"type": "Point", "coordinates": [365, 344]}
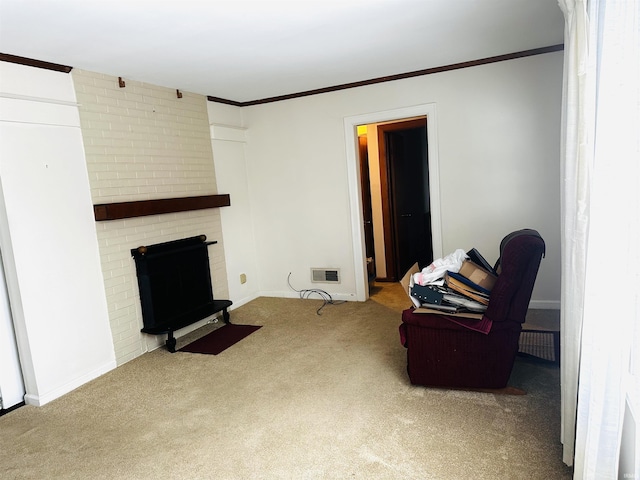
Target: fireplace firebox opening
{"type": "Point", "coordinates": [174, 279]}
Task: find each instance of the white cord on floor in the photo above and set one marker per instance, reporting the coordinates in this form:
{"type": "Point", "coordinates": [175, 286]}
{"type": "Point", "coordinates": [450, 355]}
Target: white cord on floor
{"type": "Point", "coordinates": [305, 294]}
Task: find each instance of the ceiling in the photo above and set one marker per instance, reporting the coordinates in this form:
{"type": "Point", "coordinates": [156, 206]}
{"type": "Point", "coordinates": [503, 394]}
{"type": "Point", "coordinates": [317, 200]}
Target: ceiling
{"type": "Point", "coordinates": [245, 50]}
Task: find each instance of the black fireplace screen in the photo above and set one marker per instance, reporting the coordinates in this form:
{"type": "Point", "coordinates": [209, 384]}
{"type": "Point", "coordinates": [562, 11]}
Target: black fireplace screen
{"type": "Point", "coordinates": [174, 279]}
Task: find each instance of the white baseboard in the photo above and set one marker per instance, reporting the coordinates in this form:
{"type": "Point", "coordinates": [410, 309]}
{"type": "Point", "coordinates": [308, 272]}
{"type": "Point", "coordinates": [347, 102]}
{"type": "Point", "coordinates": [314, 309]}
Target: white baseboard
{"type": "Point", "coordinates": [544, 304]}
{"type": "Point", "coordinates": [348, 297]}
{"type": "Point", "coordinates": [41, 399]}
{"type": "Point", "coordinates": [351, 297]}
{"type": "Point", "coordinates": [243, 301]}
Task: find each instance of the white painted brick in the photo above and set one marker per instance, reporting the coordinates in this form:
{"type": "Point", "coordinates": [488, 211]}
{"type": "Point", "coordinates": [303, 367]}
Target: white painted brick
{"type": "Point", "coordinates": [142, 142]}
{"type": "Point", "coordinates": [115, 127]}
{"type": "Point", "coordinates": [101, 81]}
{"type": "Point", "coordinates": [120, 272]}
{"type": "Point", "coordinates": [119, 330]}
{"type": "Point", "coordinates": [113, 282]}
{"type": "Point", "coordinates": [138, 88]}
{"type": "Point", "coordinates": [129, 94]}
{"type": "Point", "coordinates": [131, 351]}
{"type": "Point", "coordinates": [90, 89]}
{"type": "Point", "coordinates": [125, 303]}
{"type": "Point", "coordinates": [120, 318]}
{"type": "Point", "coordinates": [106, 100]}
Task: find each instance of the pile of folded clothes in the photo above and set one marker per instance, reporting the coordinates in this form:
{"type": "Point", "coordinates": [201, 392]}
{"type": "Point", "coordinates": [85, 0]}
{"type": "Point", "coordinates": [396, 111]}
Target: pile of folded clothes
{"type": "Point", "coordinates": [460, 282]}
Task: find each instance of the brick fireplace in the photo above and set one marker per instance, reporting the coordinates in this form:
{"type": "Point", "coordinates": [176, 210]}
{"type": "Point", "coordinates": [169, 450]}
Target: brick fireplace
{"type": "Point", "coordinates": [143, 143]}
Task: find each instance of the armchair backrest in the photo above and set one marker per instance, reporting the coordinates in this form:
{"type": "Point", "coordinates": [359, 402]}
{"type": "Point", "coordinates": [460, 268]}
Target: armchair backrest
{"type": "Point", "coordinates": [520, 256]}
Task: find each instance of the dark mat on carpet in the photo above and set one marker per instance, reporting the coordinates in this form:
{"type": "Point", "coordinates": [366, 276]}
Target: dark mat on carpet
{"type": "Point", "coordinates": [220, 339]}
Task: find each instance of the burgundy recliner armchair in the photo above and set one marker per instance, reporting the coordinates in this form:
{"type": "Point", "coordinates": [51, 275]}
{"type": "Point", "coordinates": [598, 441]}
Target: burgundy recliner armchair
{"type": "Point", "coordinates": [443, 351]}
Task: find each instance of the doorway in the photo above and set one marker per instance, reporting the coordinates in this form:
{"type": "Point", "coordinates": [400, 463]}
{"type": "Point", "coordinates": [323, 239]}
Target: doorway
{"type": "Point", "coordinates": [399, 233]}
{"type": "Point", "coordinates": [427, 111]}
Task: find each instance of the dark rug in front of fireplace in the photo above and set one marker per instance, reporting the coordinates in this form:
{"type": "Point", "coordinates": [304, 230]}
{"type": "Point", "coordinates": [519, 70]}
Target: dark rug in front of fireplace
{"type": "Point", "coordinates": [220, 339]}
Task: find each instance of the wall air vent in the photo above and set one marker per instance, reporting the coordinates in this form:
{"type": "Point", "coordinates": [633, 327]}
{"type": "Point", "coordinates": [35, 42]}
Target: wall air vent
{"type": "Point", "coordinates": [325, 275]}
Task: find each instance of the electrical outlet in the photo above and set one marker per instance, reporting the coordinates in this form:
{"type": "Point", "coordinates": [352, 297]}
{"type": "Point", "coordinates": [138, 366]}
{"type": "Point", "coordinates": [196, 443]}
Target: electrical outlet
{"type": "Point", "coordinates": [243, 278]}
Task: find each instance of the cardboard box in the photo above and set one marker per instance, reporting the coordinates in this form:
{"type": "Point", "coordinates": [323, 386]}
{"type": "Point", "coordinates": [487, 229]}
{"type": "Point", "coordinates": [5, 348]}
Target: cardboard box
{"type": "Point", "coordinates": [478, 275]}
{"type": "Point", "coordinates": [406, 282]}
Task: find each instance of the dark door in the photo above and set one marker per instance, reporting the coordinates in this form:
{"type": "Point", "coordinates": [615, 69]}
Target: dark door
{"type": "Point", "coordinates": [408, 231]}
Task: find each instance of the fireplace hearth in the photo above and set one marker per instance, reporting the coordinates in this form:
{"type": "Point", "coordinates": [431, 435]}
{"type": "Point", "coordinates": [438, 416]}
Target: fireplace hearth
{"type": "Point", "coordinates": [174, 280]}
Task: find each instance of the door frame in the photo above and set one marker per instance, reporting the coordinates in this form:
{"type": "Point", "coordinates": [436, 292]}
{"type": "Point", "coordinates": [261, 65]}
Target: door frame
{"type": "Point", "coordinates": [353, 175]}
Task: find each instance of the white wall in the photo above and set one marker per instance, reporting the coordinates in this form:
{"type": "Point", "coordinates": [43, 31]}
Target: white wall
{"type": "Point", "coordinates": [11, 384]}
{"type": "Point", "coordinates": [48, 237]}
{"type": "Point", "coordinates": [228, 139]}
{"type": "Point", "coordinates": [499, 139]}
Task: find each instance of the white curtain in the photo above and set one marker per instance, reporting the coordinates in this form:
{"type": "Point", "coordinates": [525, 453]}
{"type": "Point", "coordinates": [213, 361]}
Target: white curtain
{"type": "Point", "coordinates": [601, 212]}
{"type": "Point", "coordinates": [577, 121]}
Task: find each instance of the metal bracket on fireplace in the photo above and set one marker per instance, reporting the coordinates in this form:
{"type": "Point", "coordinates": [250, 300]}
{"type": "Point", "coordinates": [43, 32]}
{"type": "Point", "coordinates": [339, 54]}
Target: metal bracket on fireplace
{"type": "Point", "coordinates": [171, 340]}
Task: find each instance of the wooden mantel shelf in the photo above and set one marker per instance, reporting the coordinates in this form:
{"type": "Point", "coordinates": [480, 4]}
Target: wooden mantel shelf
{"type": "Point", "coordinates": [117, 211]}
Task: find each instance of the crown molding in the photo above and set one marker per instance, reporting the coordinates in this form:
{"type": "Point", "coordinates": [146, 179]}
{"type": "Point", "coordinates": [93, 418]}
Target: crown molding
{"type": "Point", "coordinates": [390, 78]}
{"type": "Point", "coordinates": [30, 62]}
{"type": "Point", "coordinates": [417, 73]}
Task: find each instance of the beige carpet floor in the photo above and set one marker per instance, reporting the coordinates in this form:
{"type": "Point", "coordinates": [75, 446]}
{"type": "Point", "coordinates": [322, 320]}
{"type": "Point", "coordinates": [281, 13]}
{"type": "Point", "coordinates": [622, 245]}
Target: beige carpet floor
{"type": "Point", "coordinates": [304, 397]}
